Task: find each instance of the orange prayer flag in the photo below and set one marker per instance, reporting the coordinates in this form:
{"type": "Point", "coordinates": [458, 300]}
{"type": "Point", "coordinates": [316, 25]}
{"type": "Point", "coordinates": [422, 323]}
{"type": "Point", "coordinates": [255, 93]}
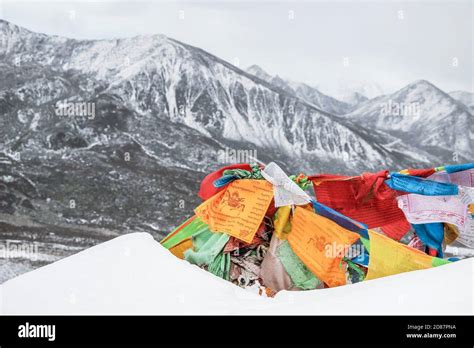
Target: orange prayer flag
{"type": "Point", "coordinates": [320, 243]}
{"type": "Point", "coordinates": [239, 209]}
{"type": "Point", "coordinates": [388, 257]}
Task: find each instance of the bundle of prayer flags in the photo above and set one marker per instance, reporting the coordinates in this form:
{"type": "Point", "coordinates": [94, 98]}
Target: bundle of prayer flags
{"type": "Point", "coordinates": [259, 228]}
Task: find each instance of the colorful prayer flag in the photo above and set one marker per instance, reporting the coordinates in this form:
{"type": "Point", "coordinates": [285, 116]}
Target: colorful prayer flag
{"type": "Point", "coordinates": [432, 235]}
{"type": "Point", "coordinates": [207, 189]}
{"type": "Point", "coordinates": [184, 231]}
{"type": "Point", "coordinates": [320, 244]}
{"type": "Point", "coordinates": [239, 209]}
{"type": "Point", "coordinates": [421, 209]}
{"type": "Point", "coordinates": [388, 257]}
{"type": "Point", "coordinates": [366, 199]}
{"type": "Point", "coordinates": [422, 186]}
{"type": "Point", "coordinates": [179, 249]}
{"type": "Point", "coordinates": [458, 167]}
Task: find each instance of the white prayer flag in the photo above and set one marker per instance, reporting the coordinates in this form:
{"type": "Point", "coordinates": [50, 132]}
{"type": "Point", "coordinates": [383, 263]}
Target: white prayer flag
{"type": "Point", "coordinates": [286, 191]}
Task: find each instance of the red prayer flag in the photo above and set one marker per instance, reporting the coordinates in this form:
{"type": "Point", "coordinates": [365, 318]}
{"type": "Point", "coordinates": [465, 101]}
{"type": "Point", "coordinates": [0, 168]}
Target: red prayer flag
{"type": "Point", "coordinates": [207, 189]}
{"type": "Point", "coordinates": [365, 198]}
{"type": "Point", "coordinates": [396, 230]}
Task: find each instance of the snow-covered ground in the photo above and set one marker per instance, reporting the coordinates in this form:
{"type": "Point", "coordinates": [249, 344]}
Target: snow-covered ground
{"type": "Point", "coordinates": [134, 274]}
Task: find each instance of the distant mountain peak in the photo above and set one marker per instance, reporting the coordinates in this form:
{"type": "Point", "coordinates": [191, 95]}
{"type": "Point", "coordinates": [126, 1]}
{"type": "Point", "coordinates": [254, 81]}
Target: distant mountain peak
{"type": "Point", "coordinates": [422, 87]}
{"type": "Point", "coordinates": [421, 108]}
{"type": "Point", "coordinates": [355, 98]}
{"type": "Point", "coordinates": [422, 82]}
{"type": "Point", "coordinates": [10, 27]}
{"type": "Point", "coordinates": [259, 72]}
{"type": "Point", "coordinates": [461, 92]}
{"type": "Point", "coordinates": [4, 22]}
{"type": "Point", "coordinates": [350, 91]}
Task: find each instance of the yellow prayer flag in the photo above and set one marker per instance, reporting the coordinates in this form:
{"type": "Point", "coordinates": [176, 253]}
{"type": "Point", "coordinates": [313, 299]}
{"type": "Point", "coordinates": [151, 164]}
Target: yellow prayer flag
{"type": "Point", "coordinates": [451, 233]}
{"type": "Point", "coordinates": [320, 243]}
{"type": "Point", "coordinates": [239, 209]}
{"type": "Point", "coordinates": [179, 249]}
{"type": "Point", "coordinates": [281, 222]}
{"type": "Point", "coordinates": [388, 257]}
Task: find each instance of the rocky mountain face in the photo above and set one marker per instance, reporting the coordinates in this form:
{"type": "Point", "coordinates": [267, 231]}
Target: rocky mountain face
{"type": "Point", "coordinates": [158, 77]}
{"type": "Point", "coordinates": [467, 98]}
{"type": "Point", "coordinates": [104, 137]}
{"type": "Point", "coordinates": [301, 90]}
{"type": "Point", "coordinates": [424, 117]}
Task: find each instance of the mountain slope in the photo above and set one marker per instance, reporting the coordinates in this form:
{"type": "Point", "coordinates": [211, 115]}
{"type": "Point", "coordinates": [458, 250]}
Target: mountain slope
{"type": "Point", "coordinates": [303, 91]}
{"type": "Point", "coordinates": [421, 108]}
{"type": "Point", "coordinates": [467, 98]}
{"type": "Point", "coordinates": [159, 77]}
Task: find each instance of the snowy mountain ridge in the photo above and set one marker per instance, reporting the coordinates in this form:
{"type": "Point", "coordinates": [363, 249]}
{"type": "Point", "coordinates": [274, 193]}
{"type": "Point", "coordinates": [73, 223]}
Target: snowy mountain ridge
{"type": "Point", "coordinates": [155, 75]}
{"type": "Point", "coordinates": [421, 108]}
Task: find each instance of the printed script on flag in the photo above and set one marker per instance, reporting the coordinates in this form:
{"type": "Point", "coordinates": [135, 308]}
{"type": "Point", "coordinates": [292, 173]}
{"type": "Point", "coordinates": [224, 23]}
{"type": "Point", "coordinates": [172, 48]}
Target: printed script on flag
{"type": "Point", "coordinates": [320, 243]}
{"type": "Point", "coordinates": [239, 209]}
{"type": "Point", "coordinates": [464, 178]}
{"type": "Point", "coordinates": [420, 209]}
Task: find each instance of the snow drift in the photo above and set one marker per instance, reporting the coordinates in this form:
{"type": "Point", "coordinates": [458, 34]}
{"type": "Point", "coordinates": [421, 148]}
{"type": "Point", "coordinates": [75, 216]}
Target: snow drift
{"type": "Point", "coordinates": [134, 274]}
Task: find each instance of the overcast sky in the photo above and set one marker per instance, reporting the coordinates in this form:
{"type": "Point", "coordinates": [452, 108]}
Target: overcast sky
{"type": "Point", "coordinates": [319, 42]}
